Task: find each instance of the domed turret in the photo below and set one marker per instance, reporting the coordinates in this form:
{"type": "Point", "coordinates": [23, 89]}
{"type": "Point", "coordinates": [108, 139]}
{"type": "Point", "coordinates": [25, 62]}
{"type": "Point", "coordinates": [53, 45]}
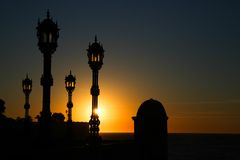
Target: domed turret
{"type": "Point", "coordinates": [150, 130]}
{"type": "Point", "coordinates": [151, 108]}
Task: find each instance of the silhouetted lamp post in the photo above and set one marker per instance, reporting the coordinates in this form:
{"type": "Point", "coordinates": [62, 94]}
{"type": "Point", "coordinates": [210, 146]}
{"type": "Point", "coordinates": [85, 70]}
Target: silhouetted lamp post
{"type": "Point", "coordinates": [27, 88]}
{"type": "Point", "coordinates": [47, 33]}
{"type": "Point", "coordinates": [95, 61]}
{"type": "Point", "coordinates": [70, 82]}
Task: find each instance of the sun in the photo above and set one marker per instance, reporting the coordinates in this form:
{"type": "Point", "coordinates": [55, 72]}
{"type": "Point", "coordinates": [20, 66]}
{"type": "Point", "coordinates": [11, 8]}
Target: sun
{"type": "Point", "coordinates": [98, 111]}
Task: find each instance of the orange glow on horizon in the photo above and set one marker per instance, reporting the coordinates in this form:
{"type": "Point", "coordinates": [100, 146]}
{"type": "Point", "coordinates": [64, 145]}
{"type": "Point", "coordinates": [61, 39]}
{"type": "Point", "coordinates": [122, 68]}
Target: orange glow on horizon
{"type": "Point", "coordinates": [117, 108]}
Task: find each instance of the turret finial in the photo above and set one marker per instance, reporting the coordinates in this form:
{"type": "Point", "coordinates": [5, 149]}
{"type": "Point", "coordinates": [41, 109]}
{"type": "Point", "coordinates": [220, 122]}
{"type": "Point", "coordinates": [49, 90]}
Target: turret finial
{"type": "Point", "coordinates": [95, 38]}
{"type": "Point", "coordinates": [48, 14]}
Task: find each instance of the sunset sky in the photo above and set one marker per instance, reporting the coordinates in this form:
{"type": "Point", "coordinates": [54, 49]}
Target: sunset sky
{"type": "Point", "coordinates": [185, 54]}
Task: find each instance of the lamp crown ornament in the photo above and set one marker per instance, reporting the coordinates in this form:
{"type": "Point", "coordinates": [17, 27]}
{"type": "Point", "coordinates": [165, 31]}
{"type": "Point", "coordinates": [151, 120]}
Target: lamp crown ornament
{"type": "Point", "coordinates": [70, 82]}
{"type": "Point", "coordinates": [95, 55]}
{"type": "Point", "coordinates": [27, 85]}
{"type": "Point", "coordinates": [47, 33]}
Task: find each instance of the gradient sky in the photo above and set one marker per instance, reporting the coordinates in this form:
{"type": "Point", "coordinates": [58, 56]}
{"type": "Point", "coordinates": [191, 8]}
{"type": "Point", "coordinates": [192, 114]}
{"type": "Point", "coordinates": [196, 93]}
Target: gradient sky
{"type": "Point", "coordinates": [183, 53]}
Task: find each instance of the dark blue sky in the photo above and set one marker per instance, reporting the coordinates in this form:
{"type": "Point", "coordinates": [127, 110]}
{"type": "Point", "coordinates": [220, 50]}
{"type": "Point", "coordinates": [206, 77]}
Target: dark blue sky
{"type": "Point", "coordinates": [184, 53]}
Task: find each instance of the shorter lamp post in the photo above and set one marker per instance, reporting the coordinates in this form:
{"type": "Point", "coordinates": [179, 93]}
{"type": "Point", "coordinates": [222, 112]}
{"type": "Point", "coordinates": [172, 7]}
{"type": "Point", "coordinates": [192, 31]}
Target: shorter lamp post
{"type": "Point", "coordinates": [70, 82]}
{"type": "Point", "coordinates": [95, 61]}
{"type": "Point", "coordinates": [27, 88]}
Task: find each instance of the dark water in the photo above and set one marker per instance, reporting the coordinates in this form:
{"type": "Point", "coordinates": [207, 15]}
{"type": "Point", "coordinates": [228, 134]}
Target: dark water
{"type": "Point", "coordinates": [121, 146]}
{"type": "Point", "coordinates": [194, 146]}
{"type": "Point", "coordinates": [117, 136]}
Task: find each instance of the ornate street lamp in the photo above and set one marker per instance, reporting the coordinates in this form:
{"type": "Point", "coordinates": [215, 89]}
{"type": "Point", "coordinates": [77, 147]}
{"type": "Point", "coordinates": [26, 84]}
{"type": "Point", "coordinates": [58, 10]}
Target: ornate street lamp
{"type": "Point", "coordinates": [47, 33]}
{"type": "Point", "coordinates": [95, 61]}
{"type": "Point", "coordinates": [27, 88]}
{"type": "Point", "coordinates": [70, 82]}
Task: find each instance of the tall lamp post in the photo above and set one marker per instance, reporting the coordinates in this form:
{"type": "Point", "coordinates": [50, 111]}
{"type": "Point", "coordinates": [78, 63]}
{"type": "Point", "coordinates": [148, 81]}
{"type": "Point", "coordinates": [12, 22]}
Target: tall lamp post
{"type": "Point", "coordinates": [70, 82]}
{"type": "Point", "coordinates": [27, 88]}
{"type": "Point", "coordinates": [47, 33]}
{"type": "Point", "coordinates": [95, 61]}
